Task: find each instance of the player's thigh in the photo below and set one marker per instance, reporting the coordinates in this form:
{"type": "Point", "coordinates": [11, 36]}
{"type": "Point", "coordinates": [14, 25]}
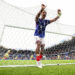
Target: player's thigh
{"type": "Point", "coordinates": [38, 40]}
{"type": "Point", "coordinates": [42, 43]}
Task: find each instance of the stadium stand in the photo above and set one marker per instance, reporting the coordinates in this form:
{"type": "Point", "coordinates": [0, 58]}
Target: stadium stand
{"type": "Point", "coordinates": [65, 50]}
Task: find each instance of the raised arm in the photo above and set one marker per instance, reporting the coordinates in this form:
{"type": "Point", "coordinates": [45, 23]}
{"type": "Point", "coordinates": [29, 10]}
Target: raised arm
{"type": "Point", "coordinates": [38, 15]}
{"type": "Point", "coordinates": [57, 17]}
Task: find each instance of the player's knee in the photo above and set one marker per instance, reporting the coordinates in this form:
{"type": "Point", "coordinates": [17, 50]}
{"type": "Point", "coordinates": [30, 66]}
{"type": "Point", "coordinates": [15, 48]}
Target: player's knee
{"type": "Point", "coordinates": [37, 52]}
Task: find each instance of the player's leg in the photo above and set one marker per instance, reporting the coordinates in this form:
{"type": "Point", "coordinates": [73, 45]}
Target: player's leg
{"type": "Point", "coordinates": [39, 64]}
{"type": "Point", "coordinates": [38, 43]}
{"type": "Point", "coordinates": [40, 56]}
{"type": "Point", "coordinates": [42, 48]}
{"type": "Point", "coordinates": [38, 46]}
{"type": "Point", "coordinates": [41, 51]}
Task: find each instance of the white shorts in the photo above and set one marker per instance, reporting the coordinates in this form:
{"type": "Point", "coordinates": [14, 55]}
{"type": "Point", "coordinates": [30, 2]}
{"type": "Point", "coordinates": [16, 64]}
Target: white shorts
{"type": "Point", "coordinates": [39, 39]}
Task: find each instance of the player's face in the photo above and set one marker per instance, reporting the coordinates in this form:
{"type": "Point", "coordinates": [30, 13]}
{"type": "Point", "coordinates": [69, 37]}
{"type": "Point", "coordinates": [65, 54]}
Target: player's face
{"type": "Point", "coordinates": [43, 14]}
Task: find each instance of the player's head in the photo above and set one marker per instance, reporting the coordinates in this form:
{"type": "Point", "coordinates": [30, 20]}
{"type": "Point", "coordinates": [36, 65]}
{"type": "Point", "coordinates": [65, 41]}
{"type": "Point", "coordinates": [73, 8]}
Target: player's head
{"type": "Point", "coordinates": [43, 14]}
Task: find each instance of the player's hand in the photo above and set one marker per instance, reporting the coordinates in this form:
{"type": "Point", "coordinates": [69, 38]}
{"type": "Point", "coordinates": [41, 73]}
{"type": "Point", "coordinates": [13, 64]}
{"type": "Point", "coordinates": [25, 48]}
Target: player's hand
{"type": "Point", "coordinates": [43, 6]}
{"type": "Point", "coordinates": [59, 12]}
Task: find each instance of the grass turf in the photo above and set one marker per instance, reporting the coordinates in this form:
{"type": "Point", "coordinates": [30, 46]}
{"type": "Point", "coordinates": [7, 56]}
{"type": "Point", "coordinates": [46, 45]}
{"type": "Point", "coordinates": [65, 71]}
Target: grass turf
{"type": "Point", "coordinates": [47, 70]}
{"type": "Point", "coordinates": [30, 62]}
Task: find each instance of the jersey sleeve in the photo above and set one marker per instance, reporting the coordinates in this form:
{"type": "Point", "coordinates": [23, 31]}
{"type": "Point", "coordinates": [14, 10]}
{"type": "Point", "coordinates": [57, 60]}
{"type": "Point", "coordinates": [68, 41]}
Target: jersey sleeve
{"type": "Point", "coordinates": [47, 22]}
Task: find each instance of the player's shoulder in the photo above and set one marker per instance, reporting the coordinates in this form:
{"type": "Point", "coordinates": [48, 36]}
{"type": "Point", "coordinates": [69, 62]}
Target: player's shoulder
{"type": "Point", "coordinates": [47, 21]}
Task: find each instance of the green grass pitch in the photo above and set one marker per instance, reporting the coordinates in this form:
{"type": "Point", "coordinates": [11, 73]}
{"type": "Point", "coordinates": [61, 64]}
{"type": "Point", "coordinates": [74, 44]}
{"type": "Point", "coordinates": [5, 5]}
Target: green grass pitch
{"type": "Point", "coordinates": [46, 70]}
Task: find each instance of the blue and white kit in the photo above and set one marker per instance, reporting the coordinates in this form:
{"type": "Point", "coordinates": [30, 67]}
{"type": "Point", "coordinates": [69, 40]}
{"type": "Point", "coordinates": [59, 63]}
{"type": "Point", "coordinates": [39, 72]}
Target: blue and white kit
{"type": "Point", "coordinates": [40, 29]}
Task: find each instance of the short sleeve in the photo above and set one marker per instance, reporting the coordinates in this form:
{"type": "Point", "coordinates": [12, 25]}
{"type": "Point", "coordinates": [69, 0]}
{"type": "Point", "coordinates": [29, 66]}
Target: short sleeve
{"type": "Point", "coordinates": [47, 22]}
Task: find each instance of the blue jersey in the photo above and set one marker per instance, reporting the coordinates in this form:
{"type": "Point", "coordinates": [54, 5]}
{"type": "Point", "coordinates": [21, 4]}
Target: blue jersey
{"type": "Point", "coordinates": [40, 27]}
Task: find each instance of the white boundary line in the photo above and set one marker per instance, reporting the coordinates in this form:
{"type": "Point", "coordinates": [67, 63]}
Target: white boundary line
{"type": "Point", "coordinates": [36, 65]}
{"type": "Point", "coordinates": [59, 64]}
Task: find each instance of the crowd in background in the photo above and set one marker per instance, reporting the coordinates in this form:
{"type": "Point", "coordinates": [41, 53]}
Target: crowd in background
{"type": "Point", "coordinates": [65, 50]}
